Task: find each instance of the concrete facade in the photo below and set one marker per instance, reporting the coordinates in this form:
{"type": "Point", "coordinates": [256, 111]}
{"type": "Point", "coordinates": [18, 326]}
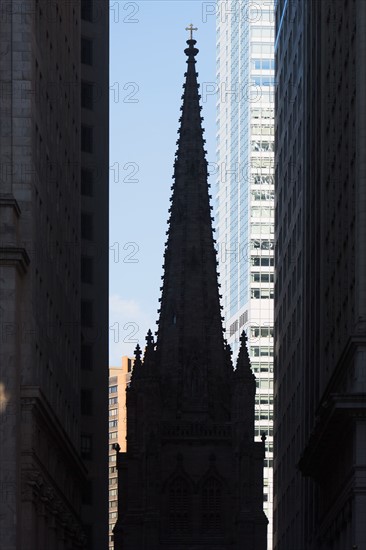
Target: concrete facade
{"type": "Point", "coordinates": [43, 474]}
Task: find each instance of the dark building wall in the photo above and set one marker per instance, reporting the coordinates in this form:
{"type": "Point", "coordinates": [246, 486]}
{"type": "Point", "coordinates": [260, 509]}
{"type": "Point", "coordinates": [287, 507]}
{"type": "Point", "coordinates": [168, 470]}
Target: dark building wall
{"type": "Point", "coordinates": [42, 470]}
{"type": "Point", "coordinates": [94, 256]}
{"type": "Point", "coordinates": [332, 331]}
{"type": "Point", "coordinates": [289, 261]}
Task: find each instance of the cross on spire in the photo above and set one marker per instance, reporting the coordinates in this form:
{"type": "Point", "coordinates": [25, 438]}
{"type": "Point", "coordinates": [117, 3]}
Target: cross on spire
{"type": "Point", "coordinates": [191, 28]}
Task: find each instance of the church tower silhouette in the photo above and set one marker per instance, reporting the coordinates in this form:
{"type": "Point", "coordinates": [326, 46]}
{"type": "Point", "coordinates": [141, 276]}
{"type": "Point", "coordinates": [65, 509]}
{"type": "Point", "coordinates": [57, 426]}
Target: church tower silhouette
{"type": "Point", "coordinates": [192, 475]}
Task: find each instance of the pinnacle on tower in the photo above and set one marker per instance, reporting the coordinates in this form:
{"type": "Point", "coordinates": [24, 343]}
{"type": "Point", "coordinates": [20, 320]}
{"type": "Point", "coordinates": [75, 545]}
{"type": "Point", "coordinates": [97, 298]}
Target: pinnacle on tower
{"type": "Point", "coordinates": [243, 367]}
{"type": "Point", "coordinates": [149, 355]}
{"type": "Point", "coordinates": [137, 365]}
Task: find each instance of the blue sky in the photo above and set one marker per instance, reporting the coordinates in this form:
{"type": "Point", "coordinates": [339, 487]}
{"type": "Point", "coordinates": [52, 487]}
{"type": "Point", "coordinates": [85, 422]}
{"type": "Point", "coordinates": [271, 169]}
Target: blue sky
{"type": "Point", "coordinates": [147, 65]}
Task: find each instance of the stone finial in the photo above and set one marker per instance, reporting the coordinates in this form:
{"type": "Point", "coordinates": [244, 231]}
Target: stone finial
{"type": "Point", "coordinates": [243, 362]}
{"type": "Point", "coordinates": [149, 338]}
{"type": "Point", "coordinates": [137, 355]}
{"type": "Point", "coordinates": [116, 447]}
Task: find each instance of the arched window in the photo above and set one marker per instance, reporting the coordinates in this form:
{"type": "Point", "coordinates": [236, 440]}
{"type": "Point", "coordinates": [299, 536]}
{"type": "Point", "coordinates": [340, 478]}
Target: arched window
{"type": "Point", "coordinates": [179, 505]}
{"type": "Point", "coordinates": [212, 514]}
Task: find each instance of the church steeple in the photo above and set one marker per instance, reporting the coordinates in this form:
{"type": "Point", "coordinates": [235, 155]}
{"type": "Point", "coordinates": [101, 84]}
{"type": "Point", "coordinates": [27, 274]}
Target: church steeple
{"type": "Point", "coordinates": [190, 344]}
{"type": "Point", "coordinates": [192, 475]}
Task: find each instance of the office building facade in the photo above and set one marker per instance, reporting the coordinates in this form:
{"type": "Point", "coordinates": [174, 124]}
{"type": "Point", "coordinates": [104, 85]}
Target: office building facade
{"type": "Point", "coordinates": [47, 466]}
{"type": "Point", "coordinates": [320, 388]}
{"type": "Point", "coordinates": [244, 195]}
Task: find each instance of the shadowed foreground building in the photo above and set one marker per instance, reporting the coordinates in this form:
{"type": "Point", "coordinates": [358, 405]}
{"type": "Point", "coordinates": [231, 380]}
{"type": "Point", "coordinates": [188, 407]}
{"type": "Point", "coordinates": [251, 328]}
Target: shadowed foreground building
{"type": "Point", "coordinates": [320, 296]}
{"type": "Point", "coordinates": [192, 476]}
{"type": "Point", "coordinates": [54, 274]}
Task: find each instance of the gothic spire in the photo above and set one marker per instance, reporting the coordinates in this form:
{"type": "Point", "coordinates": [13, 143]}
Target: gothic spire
{"type": "Point", "coordinates": [243, 368]}
{"type": "Point", "coordinates": [190, 344]}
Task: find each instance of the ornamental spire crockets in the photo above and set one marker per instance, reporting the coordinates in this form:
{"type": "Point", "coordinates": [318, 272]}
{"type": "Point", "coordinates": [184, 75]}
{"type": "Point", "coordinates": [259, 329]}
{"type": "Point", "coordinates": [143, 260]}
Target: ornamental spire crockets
{"type": "Point", "coordinates": [190, 347]}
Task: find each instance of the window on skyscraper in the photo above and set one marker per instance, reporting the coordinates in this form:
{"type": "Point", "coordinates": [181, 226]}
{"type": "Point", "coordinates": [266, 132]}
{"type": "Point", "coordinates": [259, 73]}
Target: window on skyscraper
{"type": "Point", "coordinates": [87, 10]}
{"type": "Point", "coordinates": [86, 51]}
{"type": "Point", "coordinates": [87, 269]}
{"type": "Point", "coordinates": [87, 95]}
{"type": "Point", "coordinates": [86, 357]}
{"type": "Point", "coordinates": [86, 313]}
{"type": "Point", "coordinates": [86, 446]}
{"type": "Point", "coordinates": [86, 139]}
{"type": "Point", "coordinates": [86, 402]}
{"type": "Point", "coordinates": [86, 177]}
{"type": "Point", "coordinates": [87, 226]}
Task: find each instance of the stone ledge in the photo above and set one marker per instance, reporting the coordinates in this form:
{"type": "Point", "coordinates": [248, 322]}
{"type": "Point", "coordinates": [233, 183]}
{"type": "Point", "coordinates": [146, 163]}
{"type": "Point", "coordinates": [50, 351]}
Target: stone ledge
{"type": "Point", "coordinates": [14, 256]}
{"type": "Point", "coordinates": [9, 201]}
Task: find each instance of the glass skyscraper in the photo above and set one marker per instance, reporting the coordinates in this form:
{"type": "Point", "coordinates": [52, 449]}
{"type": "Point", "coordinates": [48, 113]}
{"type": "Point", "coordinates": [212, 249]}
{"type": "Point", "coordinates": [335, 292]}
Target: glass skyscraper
{"type": "Point", "coordinates": [244, 196]}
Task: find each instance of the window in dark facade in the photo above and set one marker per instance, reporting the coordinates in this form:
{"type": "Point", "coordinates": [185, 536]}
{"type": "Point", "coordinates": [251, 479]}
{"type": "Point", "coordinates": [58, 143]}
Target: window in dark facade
{"type": "Point", "coordinates": [86, 139]}
{"type": "Point", "coordinates": [87, 226]}
{"type": "Point", "coordinates": [86, 399]}
{"type": "Point", "coordinates": [179, 505]}
{"type": "Point", "coordinates": [212, 520]}
{"type": "Point", "coordinates": [87, 313]}
{"type": "Point", "coordinates": [86, 446]}
{"type": "Point", "coordinates": [87, 95]}
{"type": "Point", "coordinates": [87, 10]}
{"type": "Point", "coordinates": [87, 270]}
{"type": "Point", "coordinates": [88, 530]}
{"type": "Point", "coordinates": [86, 357]}
{"type": "Point", "coordinates": [86, 177]}
{"type": "Point", "coordinates": [87, 51]}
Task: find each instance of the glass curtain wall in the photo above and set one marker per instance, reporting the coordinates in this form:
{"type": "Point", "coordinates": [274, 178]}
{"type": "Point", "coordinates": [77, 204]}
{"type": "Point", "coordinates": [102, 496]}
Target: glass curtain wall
{"type": "Point", "coordinates": [244, 196]}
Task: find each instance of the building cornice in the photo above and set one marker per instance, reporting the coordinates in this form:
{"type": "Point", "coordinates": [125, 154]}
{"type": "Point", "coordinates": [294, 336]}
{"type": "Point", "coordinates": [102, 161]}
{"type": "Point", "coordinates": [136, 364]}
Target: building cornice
{"type": "Point", "coordinates": [15, 256]}
{"type": "Point", "coordinates": [10, 202]}
{"type": "Point", "coordinates": [337, 413]}
{"type": "Point", "coordinates": [33, 398]}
